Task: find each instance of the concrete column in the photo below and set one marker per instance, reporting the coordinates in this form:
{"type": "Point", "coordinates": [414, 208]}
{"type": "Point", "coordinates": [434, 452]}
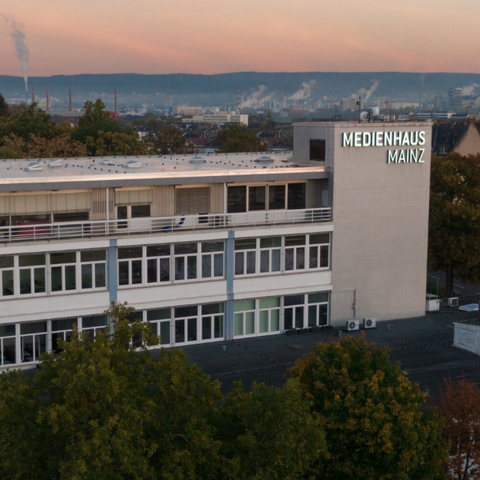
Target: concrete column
{"type": "Point", "coordinates": [229, 271]}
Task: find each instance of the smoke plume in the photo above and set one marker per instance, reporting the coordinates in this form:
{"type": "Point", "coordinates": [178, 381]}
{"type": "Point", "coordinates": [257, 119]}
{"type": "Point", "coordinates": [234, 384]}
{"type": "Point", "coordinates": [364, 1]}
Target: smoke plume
{"type": "Point", "coordinates": [303, 92]}
{"type": "Point", "coordinates": [468, 90]}
{"type": "Point", "coordinates": [21, 49]}
{"type": "Point", "coordinates": [367, 93]}
{"type": "Point", "coordinates": [256, 98]}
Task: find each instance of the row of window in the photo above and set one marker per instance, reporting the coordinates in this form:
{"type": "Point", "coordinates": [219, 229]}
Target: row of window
{"type": "Point", "coordinates": [25, 342]}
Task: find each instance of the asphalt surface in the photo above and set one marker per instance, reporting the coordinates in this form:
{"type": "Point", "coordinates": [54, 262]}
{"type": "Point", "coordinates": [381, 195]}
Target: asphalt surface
{"type": "Point", "coordinates": [423, 346]}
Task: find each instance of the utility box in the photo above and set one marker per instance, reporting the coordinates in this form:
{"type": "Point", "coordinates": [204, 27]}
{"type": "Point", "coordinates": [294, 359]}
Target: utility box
{"type": "Point", "coordinates": [432, 303]}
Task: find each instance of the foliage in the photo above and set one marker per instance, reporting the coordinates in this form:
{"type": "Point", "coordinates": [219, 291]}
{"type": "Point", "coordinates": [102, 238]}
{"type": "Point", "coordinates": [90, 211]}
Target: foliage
{"type": "Point", "coordinates": [4, 108]}
{"type": "Point", "coordinates": [170, 140]}
{"type": "Point", "coordinates": [460, 408]}
{"type": "Point", "coordinates": [371, 414]}
{"type": "Point", "coordinates": [455, 218]}
{"type": "Point", "coordinates": [238, 138]}
{"type": "Point", "coordinates": [433, 289]}
{"type": "Point", "coordinates": [116, 143]}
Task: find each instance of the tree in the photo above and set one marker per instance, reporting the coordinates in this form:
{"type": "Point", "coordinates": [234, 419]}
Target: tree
{"type": "Point", "coordinates": [117, 143]}
{"type": "Point", "coordinates": [371, 414]}
{"type": "Point", "coordinates": [238, 138]}
{"type": "Point", "coordinates": [4, 108]}
{"type": "Point", "coordinates": [454, 226]}
{"type": "Point", "coordinates": [170, 140]}
{"type": "Point", "coordinates": [459, 406]}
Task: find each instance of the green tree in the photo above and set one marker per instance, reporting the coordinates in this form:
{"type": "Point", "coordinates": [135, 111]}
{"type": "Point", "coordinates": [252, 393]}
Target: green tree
{"type": "Point", "coordinates": [238, 138]}
{"type": "Point", "coordinates": [4, 108]}
{"type": "Point", "coordinates": [117, 143]}
{"type": "Point", "coordinates": [170, 140]}
{"type": "Point", "coordinates": [454, 227]}
{"type": "Point", "coordinates": [371, 414]}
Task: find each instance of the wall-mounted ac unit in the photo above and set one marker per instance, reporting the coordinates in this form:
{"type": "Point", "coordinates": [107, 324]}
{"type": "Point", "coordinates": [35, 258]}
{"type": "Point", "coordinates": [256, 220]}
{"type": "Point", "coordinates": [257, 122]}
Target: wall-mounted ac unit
{"type": "Point", "coordinates": [453, 302]}
{"type": "Point", "coordinates": [352, 325]}
{"type": "Point", "coordinates": [369, 323]}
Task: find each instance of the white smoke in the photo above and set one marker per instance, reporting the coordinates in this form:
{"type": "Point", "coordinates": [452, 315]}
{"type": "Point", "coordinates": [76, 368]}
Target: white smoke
{"type": "Point", "coordinates": [256, 98]}
{"type": "Point", "coordinates": [367, 93]}
{"type": "Point", "coordinates": [468, 90]}
{"type": "Point", "coordinates": [21, 49]}
{"type": "Point", "coordinates": [303, 92]}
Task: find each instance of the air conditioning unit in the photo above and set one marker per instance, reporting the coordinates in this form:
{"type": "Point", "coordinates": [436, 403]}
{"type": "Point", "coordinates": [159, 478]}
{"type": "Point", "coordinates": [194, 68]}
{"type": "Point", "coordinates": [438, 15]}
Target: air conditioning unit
{"type": "Point", "coordinates": [352, 325]}
{"type": "Point", "coordinates": [453, 302]}
{"type": "Point", "coordinates": [369, 323]}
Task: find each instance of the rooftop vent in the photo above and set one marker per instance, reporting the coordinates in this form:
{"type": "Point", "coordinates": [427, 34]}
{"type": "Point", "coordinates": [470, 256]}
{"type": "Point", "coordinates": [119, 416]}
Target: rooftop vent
{"type": "Point", "coordinates": [197, 160]}
{"type": "Point", "coordinates": [34, 167]}
{"type": "Point", "coordinates": [264, 159]}
{"type": "Point", "coordinates": [55, 163]}
{"type": "Point", "coordinates": [106, 162]}
{"type": "Point", "coordinates": [132, 164]}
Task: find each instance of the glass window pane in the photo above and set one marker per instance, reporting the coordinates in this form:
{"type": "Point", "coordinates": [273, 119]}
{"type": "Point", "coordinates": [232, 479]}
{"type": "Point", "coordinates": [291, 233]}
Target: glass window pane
{"type": "Point", "coordinates": [25, 281]}
{"type": "Point", "coordinates": [299, 317]}
{"type": "Point", "coordinates": [136, 272]}
{"type": "Point", "coordinates": [63, 324]}
{"type": "Point", "coordinates": [276, 197]}
{"type": "Point", "coordinates": [39, 278]}
{"type": "Point", "coordinates": [274, 320]}
{"type": "Point", "coordinates": [158, 251]}
{"type": "Point", "coordinates": [183, 248]}
{"type": "Point", "coordinates": [213, 247]}
{"type": "Point", "coordinates": [70, 280]}
{"type": "Point", "coordinates": [164, 333]}
{"type": "Point", "coordinates": [239, 267]}
{"type": "Point", "coordinates": [63, 257]}
{"type": "Point", "coordinates": [275, 260]}
{"type": "Point", "coordinates": [249, 323]}
{"type": "Point", "coordinates": [270, 242]}
{"type": "Point", "coordinates": [269, 302]}
{"type": "Point", "coordinates": [313, 263]}
{"type": "Point", "coordinates": [324, 256]}
{"type": "Point", "coordinates": [250, 262]}
{"type": "Point", "coordinates": [323, 317]}
{"type": "Point", "coordinates": [87, 276]}
{"type": "Point", "coordinates": [9, 351]}
{"type": "Point", "coordinates": [93, 255]}
{"type": "Point", "coordinates": [296, 195]}
{"type": "Point", "coordinates": [288, 318]}
{"type": "Point", "coordinates": [318, 297]}
{"type": "Point", "coordinates": [289, 252]}
{"type": "Point", "coordinates": [206, 328]}
{"type": "Point", "coordinates": [256, 198]}
{"type": "Point", "coordinates": [94, 321]}
{"type": "Point", "coordinates": [6, 262]}
{"type": "Point", "coordinates": [300, 258]}
{"type": "Point", "coordinates": [236, 199]}
{"type": "Point", "coordinates": [27, 349]}
{"type": "Point", "coordinates": [238, 324]}
{"type": "Point", "coordinates": [7, 330]}
{"type": "Point", "coordinates": [7, 282]}
{"type": "Point", "coordinates": [218, 326]}
{"type": "Point", "coordinates": [179, 331]}
{"type": "Point", "coordinates": [206, 266]}
{"type": "Point", "coordinates": [152, 274]}
{"type": "Point", "coordinates": [123, 277]}
{"type": "Point", "coordinates": [212, 308]}
{"type": "Point", "coordinates": [160, 314]}
{"type": "Point", "coordinates": [295, 240]}
{"type": "Point", "coordinates": [319, 238]}
{"type": "Point", "coordinates": [180, 268]}
{"type": "Point", "coordinates": [241, 305]}
{"type": "Point", "coordinates": [33, 327]}
{"type": "Point", "coordinates": [245, 244]}
{"type": "Point", "coordinates": [312, 315]}
{"type": "Point", "coordinates": [218, 265]}
{"type": "Point", "coordinates": [30, 260]}
{"type": "Point", "coordinates": [186, 311]}
{"type": "Point", "coordinates": [265, 261]}
{"type": "Point", "coordinates": [132, 252]}
{"type": "Point", "coordinates": [140, 211]}
{"type": "Point", "coordinates": [99, 275]}
{"type": "Point", "coordinates": [264, 321]}
{"type": "Point", "coordinates": [164, 270]}
{"type": "Point", "coordinates": [294, 300]}
{"type": "Point", "coordinates": [191, 267]}
{"type": "Point", "coordinates": [40, 345]}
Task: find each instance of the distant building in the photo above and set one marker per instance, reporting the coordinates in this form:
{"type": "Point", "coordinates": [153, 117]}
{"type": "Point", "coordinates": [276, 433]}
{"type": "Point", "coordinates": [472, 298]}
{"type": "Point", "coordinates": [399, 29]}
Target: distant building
{"type": "Point", "coordinates": [187, 110]}
{"type": "Point", "coordinates": [218, 118]}
{"type": "Point", "coordinates": [462, 138]}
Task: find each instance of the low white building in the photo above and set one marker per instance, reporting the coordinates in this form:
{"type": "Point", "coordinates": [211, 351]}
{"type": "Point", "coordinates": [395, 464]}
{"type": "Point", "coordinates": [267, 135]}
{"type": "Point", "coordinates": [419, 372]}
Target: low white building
{"type": "Point", "coordinates": [218, 118]}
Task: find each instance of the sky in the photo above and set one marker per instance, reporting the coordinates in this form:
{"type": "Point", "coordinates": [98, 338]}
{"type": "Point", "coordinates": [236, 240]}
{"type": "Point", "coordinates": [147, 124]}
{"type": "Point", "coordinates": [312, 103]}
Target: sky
{"type": "Point", "coordinates": [218, 36]}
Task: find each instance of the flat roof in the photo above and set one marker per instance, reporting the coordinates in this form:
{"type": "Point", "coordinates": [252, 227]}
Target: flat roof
{"type": "Point", "coordinates": [118, 171]}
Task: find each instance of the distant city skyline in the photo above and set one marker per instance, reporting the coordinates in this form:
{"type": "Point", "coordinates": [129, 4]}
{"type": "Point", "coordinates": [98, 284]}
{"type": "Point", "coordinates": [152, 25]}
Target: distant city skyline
{"type": "Point", "coordinates": [218, 36]}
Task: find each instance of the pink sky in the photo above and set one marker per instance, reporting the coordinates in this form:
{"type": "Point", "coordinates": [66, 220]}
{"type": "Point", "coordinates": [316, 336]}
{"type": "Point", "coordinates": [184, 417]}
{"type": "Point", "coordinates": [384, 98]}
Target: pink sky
{"type": "Point", "coordinates": [216, 36]}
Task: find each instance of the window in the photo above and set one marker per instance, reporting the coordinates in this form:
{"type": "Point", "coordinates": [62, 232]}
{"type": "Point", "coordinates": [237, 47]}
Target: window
{"type": "Point", "coordinates": [139, 211]}
{"type": "Point", "coordinates": [317, 309]}
{"type": "Point", "coordinates": [93, 268]}
{"type": "Point", "coordinates": [62, 330]}
{"type": "Point", "coordinates": [130, 266]}
{"type": "Point", "coordinates": [8, 349]}
{"type": "Point", "coordinates": [33, 340]}
{"type": "Point", "coordinates": [317, 150]}
{"type": "Point", "coordinates": [294, 311]}
{"type": "Point", "coordinates": [6, 276]}
{"type": "Point", "coordinates": [212, 259]}
{"type": "Point", "coordinates": [256, 198]}
{"type": "Point", "coordinates": [125, 212]}
{"type": "Point", "coordinates": [186, 324]}
{"type": "Point", "coordinates": [237, 199]}
{"type": "Point", "coordinates": [245, 256]}
{"type": "Point", "coordinates": [158, 263]}
{"type": "Point", "coordinates": [270, 252]}
{"type": "Point", "coordinates": [243, 318]}
{"type": "Point", "coordinates": [186, 261]}
{"type": "Point", "coordinates": [190, 201]}
{"type": "Point", "coordinates": [319, 250]}
{"type": "Point", "coordinates": [93, 324]}
{"type": "Point", "coordinates": [160, 324]}
{"type": "Point", "coordinates": [296, 196]}
{"type": "Point", "coordinates": [269, 315]}
{"type": "Point", "coordinates": [295, 252]}
{"type": "Point", "coordinates": [63, 271]}
{"type": "Point", "coordinates": [212, 321]}
{"type": "Point", "coordinates": [276, 197]}
{"type": "Point", "coordinates": [32, 273]}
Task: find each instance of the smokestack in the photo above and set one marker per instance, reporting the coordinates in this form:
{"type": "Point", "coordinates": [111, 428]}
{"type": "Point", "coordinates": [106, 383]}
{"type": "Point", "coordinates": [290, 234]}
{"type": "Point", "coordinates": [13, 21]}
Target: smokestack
{"type": "Point", "coordinates": [70, 100]}
{"type": "Point", "coordinates": [48, 102]}
{"type": "Point", "coordinates": [115, 101]}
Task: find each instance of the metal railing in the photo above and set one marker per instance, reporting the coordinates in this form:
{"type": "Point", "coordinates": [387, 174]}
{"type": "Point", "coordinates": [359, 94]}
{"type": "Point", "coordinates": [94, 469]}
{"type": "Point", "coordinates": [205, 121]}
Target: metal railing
{"type": "Point", "coordinates": [37, 231]}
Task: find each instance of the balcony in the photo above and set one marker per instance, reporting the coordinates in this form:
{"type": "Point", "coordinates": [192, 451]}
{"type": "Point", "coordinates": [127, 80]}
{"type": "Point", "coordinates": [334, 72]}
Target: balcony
{"type": "Point", "coordinates": [150, 225]}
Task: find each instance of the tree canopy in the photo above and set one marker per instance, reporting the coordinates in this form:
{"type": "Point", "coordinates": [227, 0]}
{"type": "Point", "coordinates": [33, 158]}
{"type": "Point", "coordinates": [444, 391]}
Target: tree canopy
{"type": "Point", "coordinates": [238, 138]}
{"type": "Point", "coordinates": [454, 227]}
{"type": "Point", "coordinates": [371, 414]}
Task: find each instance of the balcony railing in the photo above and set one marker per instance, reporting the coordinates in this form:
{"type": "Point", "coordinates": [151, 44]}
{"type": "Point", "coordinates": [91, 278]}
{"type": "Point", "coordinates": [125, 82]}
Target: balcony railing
{"type": "Point", "coordinates": [37, 231]}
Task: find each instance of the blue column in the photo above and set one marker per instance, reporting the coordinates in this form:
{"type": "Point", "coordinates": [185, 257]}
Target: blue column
{"type": "Point", "coordinates": [112, 270]}
{"type": "Point", "coordinates": [229, 271]}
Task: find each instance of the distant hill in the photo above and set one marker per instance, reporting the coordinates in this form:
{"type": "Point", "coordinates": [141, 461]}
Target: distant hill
{"type": "Point", "coordinates": [205, 88]}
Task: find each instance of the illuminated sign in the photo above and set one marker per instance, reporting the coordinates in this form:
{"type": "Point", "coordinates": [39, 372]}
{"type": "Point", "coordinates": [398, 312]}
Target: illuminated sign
{"type": "Point", "coordinates": [390, 139]}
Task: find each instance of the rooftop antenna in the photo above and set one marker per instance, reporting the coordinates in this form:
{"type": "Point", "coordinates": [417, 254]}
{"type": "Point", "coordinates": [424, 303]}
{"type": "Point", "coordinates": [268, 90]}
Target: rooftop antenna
{"type": "Point", "coordinates": [387, 103]}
